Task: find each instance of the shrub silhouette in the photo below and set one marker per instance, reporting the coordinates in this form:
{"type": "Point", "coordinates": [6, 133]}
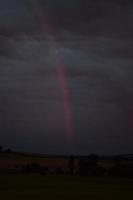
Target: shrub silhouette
{"type": "Point", "coordinates": [122, 170]}
{"type": "Point", "coordinates": [43, 170]}
{"type": "Point", "coordinates": [59, 170]}
{"type": "Point", "coordinates": [31, 168]}
{"type": "Point", "coordinates": [100, 171]}
{"type": "Point", "coordinates": [35, 168]}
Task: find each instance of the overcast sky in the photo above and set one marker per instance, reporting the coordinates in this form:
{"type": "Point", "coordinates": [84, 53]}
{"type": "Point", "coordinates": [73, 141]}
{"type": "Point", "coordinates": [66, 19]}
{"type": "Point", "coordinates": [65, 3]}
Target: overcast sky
{"type": "Point", "coordinates": [93, 43]}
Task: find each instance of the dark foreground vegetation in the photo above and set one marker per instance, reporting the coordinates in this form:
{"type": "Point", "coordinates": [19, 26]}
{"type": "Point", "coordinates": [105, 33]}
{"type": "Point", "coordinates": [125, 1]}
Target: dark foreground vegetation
{"type": "Point", "coordinates": [64, 187]}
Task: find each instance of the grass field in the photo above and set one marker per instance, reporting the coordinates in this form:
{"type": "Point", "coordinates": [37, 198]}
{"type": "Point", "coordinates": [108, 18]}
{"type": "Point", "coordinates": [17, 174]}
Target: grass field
{"type": "Point", "coordinates": [18, 187]}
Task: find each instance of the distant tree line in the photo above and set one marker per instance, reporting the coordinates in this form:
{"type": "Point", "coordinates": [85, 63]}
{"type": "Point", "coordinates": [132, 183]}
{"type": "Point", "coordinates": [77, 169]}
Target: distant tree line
{"type": "Point", "coordinates": [87, 166]}
{"type": "Point", "coordinates": [2, 150]}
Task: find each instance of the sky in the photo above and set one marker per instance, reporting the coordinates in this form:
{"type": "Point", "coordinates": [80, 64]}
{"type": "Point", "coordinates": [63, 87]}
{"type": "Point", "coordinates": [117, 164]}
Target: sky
{"type": "Point", "coordinates": [66, 71]}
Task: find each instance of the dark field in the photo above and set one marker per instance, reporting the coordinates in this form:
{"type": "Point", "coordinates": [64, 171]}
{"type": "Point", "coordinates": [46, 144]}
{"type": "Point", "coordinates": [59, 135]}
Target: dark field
{"type": "Point", "coordinates": [19, 187]}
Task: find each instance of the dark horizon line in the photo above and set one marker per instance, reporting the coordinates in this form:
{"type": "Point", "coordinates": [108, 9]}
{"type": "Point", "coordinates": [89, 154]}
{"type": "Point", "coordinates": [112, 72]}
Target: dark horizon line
{"type": "Point", "coordinates": [29, 153]}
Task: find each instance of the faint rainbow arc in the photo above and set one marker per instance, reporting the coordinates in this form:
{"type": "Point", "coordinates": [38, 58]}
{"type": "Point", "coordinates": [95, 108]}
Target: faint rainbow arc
{"type": "Point", "coordinates": [38, 14]}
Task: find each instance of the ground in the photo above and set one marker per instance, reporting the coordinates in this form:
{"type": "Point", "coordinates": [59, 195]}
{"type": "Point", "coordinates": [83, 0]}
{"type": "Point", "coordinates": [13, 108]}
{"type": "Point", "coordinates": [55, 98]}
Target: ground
{"type": "Point", "coordinates": [64, 187]}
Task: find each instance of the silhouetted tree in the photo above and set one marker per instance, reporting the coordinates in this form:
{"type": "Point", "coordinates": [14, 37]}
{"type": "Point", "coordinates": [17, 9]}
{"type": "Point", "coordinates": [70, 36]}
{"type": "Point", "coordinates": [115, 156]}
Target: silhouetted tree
{"type": "Point", "coordinates": [83, 167]}
{"type": "Point", "coordinates": [92, 164]}
{"type": "Point", "coordinates": [88, 165]}
{"type": "Point", "coordinates": [8, 151]}
{"type": "Point", "coordinates": [71, 164]}
{"type": "Point", "coordinates": [1, 148]}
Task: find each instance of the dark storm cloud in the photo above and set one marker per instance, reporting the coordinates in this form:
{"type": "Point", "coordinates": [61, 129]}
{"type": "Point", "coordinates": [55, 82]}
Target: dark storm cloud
{"type": "Point", "coordinates": [94, 44]}
{"type": "Point", "coordinates": [14, 18]}
{"type": "Point", "coordinates": [88, 18]}
{"type": "Point", "coordinates": [92, 17]}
